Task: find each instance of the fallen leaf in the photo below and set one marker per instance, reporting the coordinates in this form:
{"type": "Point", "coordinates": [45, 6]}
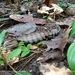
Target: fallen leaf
{"type": "Point", "coordinates": [33, 47]}
{"type": "Point", "coordinates": [49, 2]}
{"type": "Point", "coordinates": [53, 43]}
{"type": "Point", "coordinates": [71, 11]}
{"type": "Point", "coordinates": [11, 61]}
{"type": "Point", "coordinates": [65, 39]}
{"type": "Point", "coordinates": [26, 18]}
{"type": "Point", "coordinates": [55, 9]}
{"type": "Point", "coordinates": [54, 55]}
{"type": "Point", "coordinates": [48, 69]}
{"type": "Point", "coordinates": [66, 22]}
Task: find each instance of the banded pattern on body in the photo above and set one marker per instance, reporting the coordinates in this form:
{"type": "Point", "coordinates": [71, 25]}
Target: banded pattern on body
{"type": "Point", "coordinates": [38, 36]}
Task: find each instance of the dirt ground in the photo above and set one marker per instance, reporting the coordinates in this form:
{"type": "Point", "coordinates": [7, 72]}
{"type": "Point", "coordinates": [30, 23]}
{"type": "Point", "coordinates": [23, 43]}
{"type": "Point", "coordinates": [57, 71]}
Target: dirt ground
{"type": "Point", "coordinates": [51, 52]}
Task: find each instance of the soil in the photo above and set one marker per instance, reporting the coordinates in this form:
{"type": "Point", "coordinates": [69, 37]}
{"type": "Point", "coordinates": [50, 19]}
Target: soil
{"type": "Point", "coordinates": [31, 63]}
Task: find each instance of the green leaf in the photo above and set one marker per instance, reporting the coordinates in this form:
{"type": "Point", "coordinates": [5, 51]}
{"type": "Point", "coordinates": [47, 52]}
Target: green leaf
{"type": "Point", "coordinates": [21, 43]}
{"type": "Point", "coordinates": [73, 24]}
{"type": "Point", "coordinates": [71, 6]}
{"type": "Point", "coordinates": [71, 57]}
{"type": "Point", "coordinates": [2, 34]}
{"type": "Point", "coordinates": [72, 32]}
{"type": "Point", "coordinates": [15, 52]}
{"type": "Point", "coordinates": [25, 52]}
{"type": "Point", "coordinates": [29, 46]}
{"type": "Point", "coordinates": [1, 61]}
{"type": "Point", "coordinates": [22, 73]}
{"type": "Point", "coordinates": [1, 57]}
{"type": "Point", "coordinates": [39, 43]}
{"type": "Point", "coordinates": [61, 3]}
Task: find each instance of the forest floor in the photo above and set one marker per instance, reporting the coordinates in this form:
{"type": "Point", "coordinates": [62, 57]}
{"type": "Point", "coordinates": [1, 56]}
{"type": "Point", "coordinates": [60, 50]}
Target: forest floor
{"type": "Point", "coordinates": [47, 34]}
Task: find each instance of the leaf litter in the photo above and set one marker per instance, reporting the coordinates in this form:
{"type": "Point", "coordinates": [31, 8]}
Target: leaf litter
{"type": "Point", "coordinates": [53, 51]}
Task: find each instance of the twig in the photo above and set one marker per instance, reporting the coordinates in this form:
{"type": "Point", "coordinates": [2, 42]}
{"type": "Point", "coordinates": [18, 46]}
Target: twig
{"type": "Point", "coordinates": [4, 19]}
{"type": "Point", "coordinates": [2, 25]}
{"type": "Point", "coordinates": [26, 62]}
{"type": "Point", "coordinates": [26, 57]}
{"type": "Point", "coordinates": [12, 68]}
{"type": "Point", "coordinates": [7, 15]}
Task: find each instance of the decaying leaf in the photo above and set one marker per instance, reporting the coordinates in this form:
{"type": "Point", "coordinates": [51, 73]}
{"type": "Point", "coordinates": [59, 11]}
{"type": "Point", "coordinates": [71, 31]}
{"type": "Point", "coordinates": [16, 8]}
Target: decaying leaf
{"type": "Point", "coordinates": [26, 18]}
{"type": "Point", "coordinates": [11, 61]}
{"type": "Point", "coordinates": [48, 69]}
{"type": "Point", "coordinates": [65, 39]}
{"type": "Point", "coordinates": [55, 9]}
{"type": "Point", "coordinates": [5, 54]}
{"type": "Point", "coordinates": [66, 22]}
{"type": "Point", "coordinates": [54, 55]}
{"type": "Point", "coordinates": [33, 47]}
{"type": "Point", "coordinates": [71, 10]}
{"type": "Point", "coordinates": [49, 2]}
{"type": "Point", "coordinates": [14, 60]}
{"type": "Point", "coordinates": [53, 43]}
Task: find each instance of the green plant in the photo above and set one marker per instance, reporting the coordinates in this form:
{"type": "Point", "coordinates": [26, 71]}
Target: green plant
{"type": "Point", "coordinates": [2, 34]}
{"type": "Point", "coordinates": [21, 49]}
{"type": "Point", "coordinates": [2, 58]}
{"type": "Point", "coordinates": [61, 3]}
{"type": "Point", "coordinates": [72, 32]}
{"type": "Point", "coordinates": [71, 57]}
{"type": "Point", "coordinates": [39, 43]}
{"type": "Point", "coordinates": [22, 73]}
{"type": "Point", "coordinates": [71, 6]}
{"type": "Point", "coordinates": [71, 51]}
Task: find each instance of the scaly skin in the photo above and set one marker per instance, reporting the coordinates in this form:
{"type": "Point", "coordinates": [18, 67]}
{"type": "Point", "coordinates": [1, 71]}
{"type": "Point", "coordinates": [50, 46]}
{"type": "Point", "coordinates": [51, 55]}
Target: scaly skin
{"type": "Point", "coordinates": [38, 36]}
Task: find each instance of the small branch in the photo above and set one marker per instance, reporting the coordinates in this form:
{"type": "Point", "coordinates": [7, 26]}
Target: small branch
{"type": "Point", "coordinates": [12, 68]}
{"type": "Point", "coordinates": [26, 62]}
{"type": "Point", "coordinates": [26, 57]}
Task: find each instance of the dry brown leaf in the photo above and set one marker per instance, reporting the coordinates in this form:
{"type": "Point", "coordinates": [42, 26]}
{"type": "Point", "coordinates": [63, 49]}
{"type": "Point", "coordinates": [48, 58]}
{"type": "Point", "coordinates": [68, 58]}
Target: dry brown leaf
{"type": "Point", "coordinates": [66, 22]}
{"type": "Point", "coordinates": [33, 47]}
{"type": "Point", "coordinates": [49, 2]}
{"type": "Point", "coordinates": [48, 69]}
{"type": "Point", "coordinates": [55, 9]}
{"type": "Point", "coordinates": [13, 60]}
{"type": "Point", "coordinates": [5, 54]}
{"type": "Point", "coordinates": [53, 43]}
{"type": "Point", "coordinates": [55, 55]}
{"type": "Point", "coordinates": [26, 18]}
{"type": "Point", "coordinates": [64, 39]}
